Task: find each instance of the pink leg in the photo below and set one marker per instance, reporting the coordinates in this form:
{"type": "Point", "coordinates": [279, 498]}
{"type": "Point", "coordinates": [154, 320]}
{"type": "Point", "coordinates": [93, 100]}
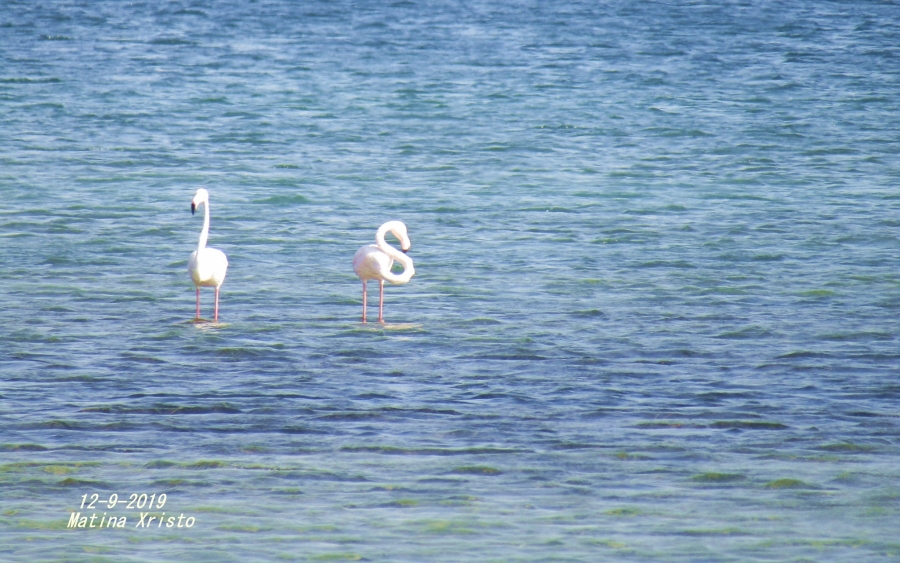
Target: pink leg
{"type": "Point", "coordinates": [216, 317]}
{"type": "Point", "coordinates": [364, 300]}
{"type": "Point", "coordinates": [381, 301]}
{"type": "Point", "coordinates": [198, 302]}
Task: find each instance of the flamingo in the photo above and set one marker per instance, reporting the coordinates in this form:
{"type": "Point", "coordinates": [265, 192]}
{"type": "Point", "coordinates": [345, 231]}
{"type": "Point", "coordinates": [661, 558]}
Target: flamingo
{"type": "Point", "coordinates": [374, 261]}
{"type": "Point", "coordinates": [207, 265]}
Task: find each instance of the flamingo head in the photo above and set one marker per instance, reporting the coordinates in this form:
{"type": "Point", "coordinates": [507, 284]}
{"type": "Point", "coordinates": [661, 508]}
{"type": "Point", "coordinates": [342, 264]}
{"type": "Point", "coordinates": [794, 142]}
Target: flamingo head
{"type": "Point", "coordinates": [398, 229]}
{"type": "Point", "coordinates": [202, 196]}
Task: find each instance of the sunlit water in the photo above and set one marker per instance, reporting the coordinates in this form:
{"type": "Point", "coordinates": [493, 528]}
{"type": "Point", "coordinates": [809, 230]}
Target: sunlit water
{"type": "Point", "coordinates": [655, 310]}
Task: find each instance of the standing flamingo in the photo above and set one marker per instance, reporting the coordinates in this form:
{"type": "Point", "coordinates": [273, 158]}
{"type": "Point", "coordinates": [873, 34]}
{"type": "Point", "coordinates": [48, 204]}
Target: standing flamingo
{"type": "Point", "coordinates": [374, 261]}
{"type": "Point", "coordinates": [207, 265]}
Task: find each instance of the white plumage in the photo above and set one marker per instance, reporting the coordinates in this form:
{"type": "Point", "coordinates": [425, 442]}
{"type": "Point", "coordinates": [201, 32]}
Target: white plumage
{"type": "Point", "coordinates": [374, 262]}
{"type": "Point", "coordinates": [207, 266]}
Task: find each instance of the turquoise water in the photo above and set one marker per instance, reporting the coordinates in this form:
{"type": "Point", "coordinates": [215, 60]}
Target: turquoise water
{"type": "Point", "coordinates": [655, 310]}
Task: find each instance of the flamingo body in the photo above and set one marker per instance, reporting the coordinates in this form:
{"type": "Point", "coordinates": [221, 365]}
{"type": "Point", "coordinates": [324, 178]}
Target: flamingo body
{"type": "Point", "coordinates": [370, 262]}
{"type": "Point", "coordinates": [374, 262]}
{"type": "Point", "coordinates": [207, 266]}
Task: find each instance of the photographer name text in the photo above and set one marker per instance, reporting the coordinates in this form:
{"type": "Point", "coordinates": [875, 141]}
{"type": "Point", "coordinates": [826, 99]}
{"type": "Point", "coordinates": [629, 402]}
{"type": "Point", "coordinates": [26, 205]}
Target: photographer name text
{"type": "Point", "coordinates": [136, 502]}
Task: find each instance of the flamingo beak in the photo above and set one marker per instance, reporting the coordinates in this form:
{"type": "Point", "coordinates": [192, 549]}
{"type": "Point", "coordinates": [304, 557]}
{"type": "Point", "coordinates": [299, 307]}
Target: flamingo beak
{"type": "Point", "coordinates": [405, 250]}
{"type": "Point", "coordinates": [193, 207]}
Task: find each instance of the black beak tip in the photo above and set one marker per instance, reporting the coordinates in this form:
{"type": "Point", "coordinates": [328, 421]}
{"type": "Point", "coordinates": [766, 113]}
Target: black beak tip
{"type": "Point", "coordinates": [405, 250]}
{"type": "Point", "coordinates": [193, 208]}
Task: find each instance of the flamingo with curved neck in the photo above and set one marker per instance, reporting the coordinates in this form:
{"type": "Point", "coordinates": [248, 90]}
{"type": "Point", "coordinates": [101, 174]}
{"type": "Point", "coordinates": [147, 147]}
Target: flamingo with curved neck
{"type": "Point", "coordinates": [374, 262]}
{"type": "Point", "coordinates": [207, 266]}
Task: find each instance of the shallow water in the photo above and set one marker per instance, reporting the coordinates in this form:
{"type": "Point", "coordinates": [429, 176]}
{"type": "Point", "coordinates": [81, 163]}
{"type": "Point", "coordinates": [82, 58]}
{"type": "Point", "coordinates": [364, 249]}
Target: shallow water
{"type": "Point", "coordinates": [654, 316]}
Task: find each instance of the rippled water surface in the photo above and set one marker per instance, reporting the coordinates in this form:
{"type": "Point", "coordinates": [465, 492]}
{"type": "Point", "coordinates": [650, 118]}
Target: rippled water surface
{"type": "Point", "coordinates": [655, 310]}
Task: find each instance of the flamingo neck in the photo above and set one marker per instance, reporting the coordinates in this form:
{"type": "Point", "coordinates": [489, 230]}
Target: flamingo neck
{"type": "Point", "coordinates": [405, 261]}
{"type": "Point", "coordinates": [204, 234]}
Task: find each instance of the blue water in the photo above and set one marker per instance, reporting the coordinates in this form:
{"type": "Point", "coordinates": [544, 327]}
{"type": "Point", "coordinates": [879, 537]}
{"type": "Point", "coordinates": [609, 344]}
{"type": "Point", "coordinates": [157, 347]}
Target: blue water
{"type": "Point", "coordinates": [655, 310]}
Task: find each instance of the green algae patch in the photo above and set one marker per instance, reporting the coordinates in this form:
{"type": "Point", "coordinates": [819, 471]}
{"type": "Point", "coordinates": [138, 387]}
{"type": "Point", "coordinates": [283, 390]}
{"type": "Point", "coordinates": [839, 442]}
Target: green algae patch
{"type": "Point", "coordinates": [818, 293]}
{"type": "Point", "coordinates": [477, 470]}
{"type": "Point", "coordinates": [554, 541]}
{"type": "Point", "coordinates": [42, 524]}
{"type": "Point", "coordinates": [283, 199]}
{"type": "Point", "coordinates": [718, 477]}
{"type": "Point", "coordinates": [661, 424]}
{"type": "Point", "coordinates": [57, 470]}
{"type": "Point", "coordinates": [715, 532]}
{"type": "Point", "coordinates": [816, 543]}
{"type": "Point", "coordinates": [788, 484]}
{"type": "Point", "coordinates": [261, 467]}
{"type": "Point", "coordinates": [458, 501]}
{"type": "Point", "coordinates": [153, 538]}
{"type": "Point", "coordinates": [160, 464]}
{"type": "Point", "coordinates": [813, 458]}
{"type": "Point", "coordinates": [624, 511]}
{"type": "Point", "coordinates": [377, 449]}
{"type": "Point", "coordinates": [337, 557]}
{"type": "Point", "coordinates": [748, 424]}
{"type": "Point", "coordinates": [59, 425]}
{"type": "Point", "coordinates": [404, 502]}
{"type": "Point", "coordinates": [287, 491]}
{"type": "Point", "coordinates": [170, 482]}
{"type": "Point", "coordinates": [241, 528]}
{"type": "Point", "coordinates": [482, 321]}
{"type": "Point", "coordinates": [448, 527]}
{"type": "Point", "coordinates": [317, 528]}
{"type": "Point", "coordinates": [625, 456]}
{"type": "Point", "coordinates": [72, 482]}
{"type": "Point", "coordinates": [24, 466]}
{"type": "Point", "coordinates": [612, 544]}
{"type": "Point", "coordinates": [22, 448]}
{"type": "Point", "coordinates": [846, 447]}
{"type": "Point", "coordinates": [216, 510]}
{"type": "Point", "coordinates": [206, 464]}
